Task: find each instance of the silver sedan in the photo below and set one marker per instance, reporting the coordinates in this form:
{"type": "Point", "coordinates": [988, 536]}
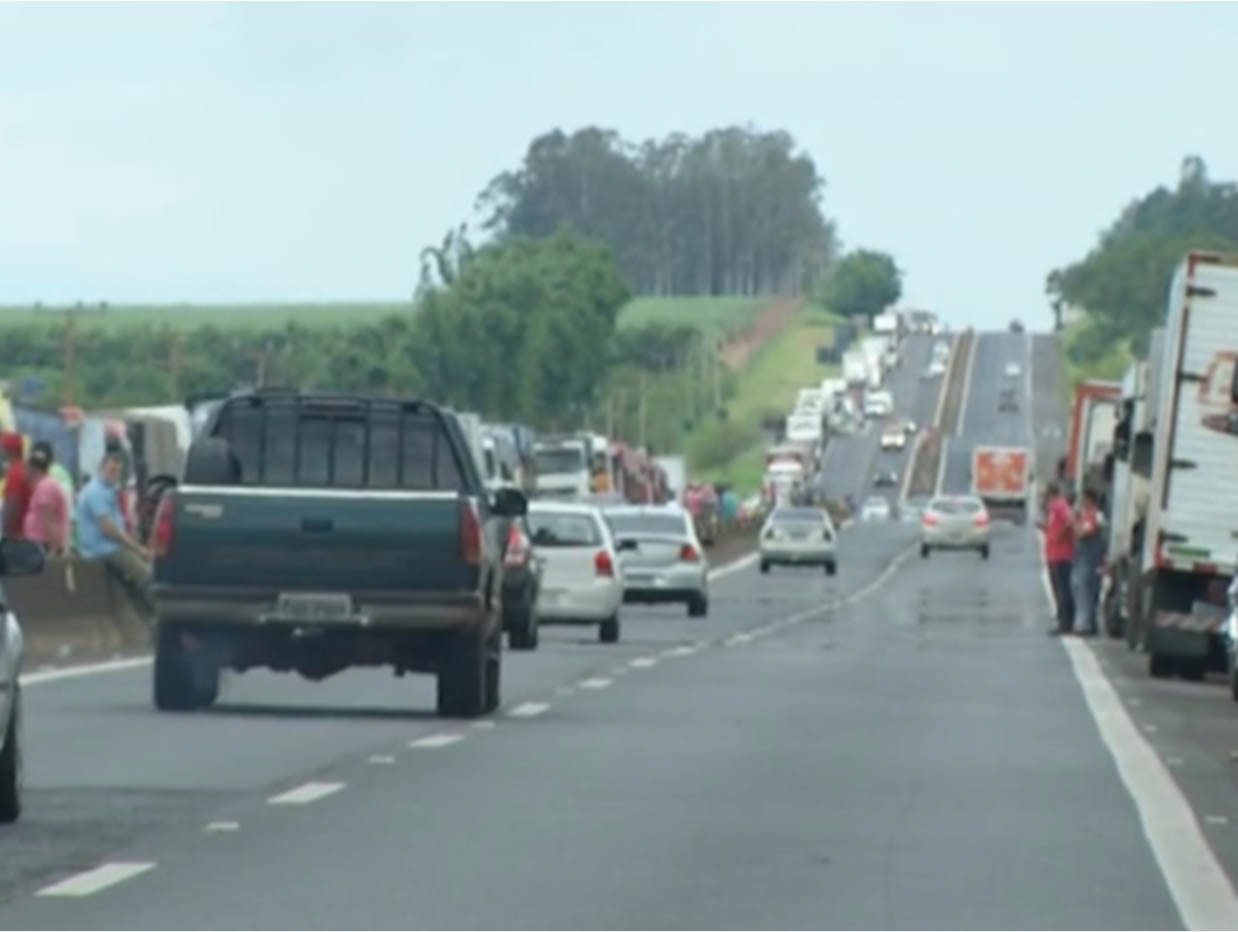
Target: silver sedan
{"type": "Point", "coordinates": [799, 537]}
{"type": "Point", "coordinates": [955, 522]}
{"type": "Point", "coordinates": [17, 558]}
{"type": "Point", "coordinates": [661, 558]}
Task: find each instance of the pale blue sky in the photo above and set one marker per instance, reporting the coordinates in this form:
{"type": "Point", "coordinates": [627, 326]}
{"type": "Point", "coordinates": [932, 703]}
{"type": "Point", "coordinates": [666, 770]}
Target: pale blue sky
{"type": "Point", "coordinates": [228, 153]}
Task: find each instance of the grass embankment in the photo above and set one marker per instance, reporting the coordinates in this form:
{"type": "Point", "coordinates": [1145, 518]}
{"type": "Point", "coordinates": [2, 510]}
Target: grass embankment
{"type": "Point", "coordinates": [724, 315]}
{"type": "Point", "coordinates": [224, 316]}
{"type": "Point", "coordinates": [733, 450]}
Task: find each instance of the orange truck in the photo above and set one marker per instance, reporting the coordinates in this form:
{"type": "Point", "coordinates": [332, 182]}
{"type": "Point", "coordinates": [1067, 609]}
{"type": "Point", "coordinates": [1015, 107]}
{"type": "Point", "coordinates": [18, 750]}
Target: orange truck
{"type": "Point", "coordinates": [1000, 477]}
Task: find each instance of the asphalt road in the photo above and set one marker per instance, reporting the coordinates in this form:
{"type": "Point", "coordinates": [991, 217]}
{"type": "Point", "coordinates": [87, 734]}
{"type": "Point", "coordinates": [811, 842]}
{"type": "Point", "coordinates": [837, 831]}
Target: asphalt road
{"type": "Point", "coordinates": [852, 461]}
{"type": "Point", "coordinates": [899, 746]}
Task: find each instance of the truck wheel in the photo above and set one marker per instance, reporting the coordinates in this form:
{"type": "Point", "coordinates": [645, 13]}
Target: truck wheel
{"type": "Point", "coordinates": [494, 671]}
{"type": "Point", "coordinates": [11, 765]}
{"type": "Point", "coordinates": [764, 566]}
{"type": "Point", "coordinates": [984, 552]}
{"type": "Point", "coordinates": [608, 631]}
{"type": "Point", "coordinates": [698, 606]}
{"type": "Point", "coordinates": [462, 674]}
{"type": "Point", "coordinates": [924, 551]}
{"type": "Point", "coordinates": [1160, 666]}
{"type": "Point", "coordinates": [831, 568]}
{"type": "Point", "coordinates": [523, 633]}
{"type": "Point", "coordinates": [182, 681]}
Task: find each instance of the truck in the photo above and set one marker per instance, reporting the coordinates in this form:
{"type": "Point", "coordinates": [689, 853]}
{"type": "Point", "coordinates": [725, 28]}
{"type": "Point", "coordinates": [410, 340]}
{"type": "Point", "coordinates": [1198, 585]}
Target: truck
{"type": "Point", "coordinates": [1190, 540]}
{"type": "Point", "coordinates": [1001, 477]}
{"type": "Point", "coordinates": [316, 532]}
{"type": "Point", "coordinates": [855, 368]}
{"type": "Point", "coordinates": [564, 466]}
{"type": "Point", "coordinates": [1128, 491]}
{"type": "Point", "coordinates": [886, 323]}
{"type": "Point", "coordinates": [1093, 417]}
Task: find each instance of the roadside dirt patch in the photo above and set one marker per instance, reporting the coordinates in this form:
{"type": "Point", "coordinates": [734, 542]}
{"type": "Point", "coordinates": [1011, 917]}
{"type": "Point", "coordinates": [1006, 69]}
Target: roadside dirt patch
{"type": "Point", "coordinates": [774, 318]}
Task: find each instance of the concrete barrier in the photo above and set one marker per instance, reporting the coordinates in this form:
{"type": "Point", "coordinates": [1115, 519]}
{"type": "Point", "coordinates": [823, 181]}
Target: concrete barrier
{"type": "Point", "coordinates": [75, 609]}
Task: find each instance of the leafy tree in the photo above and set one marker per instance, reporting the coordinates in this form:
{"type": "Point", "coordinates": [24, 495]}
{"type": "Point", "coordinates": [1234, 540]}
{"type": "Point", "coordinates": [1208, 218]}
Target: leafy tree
{"type": "Point", "coordinates": [863, 283]}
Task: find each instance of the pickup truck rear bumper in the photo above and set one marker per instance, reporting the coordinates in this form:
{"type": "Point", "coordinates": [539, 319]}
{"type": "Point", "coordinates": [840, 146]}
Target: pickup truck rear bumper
{"type": "Point", "coordinates": [394, 610]}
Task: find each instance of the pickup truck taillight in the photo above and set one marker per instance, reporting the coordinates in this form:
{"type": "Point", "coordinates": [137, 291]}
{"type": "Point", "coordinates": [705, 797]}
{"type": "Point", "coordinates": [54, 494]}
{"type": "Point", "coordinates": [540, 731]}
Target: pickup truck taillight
{"type": "Point", "coordinates": [603, 565]}
{"type": "Point", "coordinates": [164, 531]}
{"type": "Point", "coordinates": [470, 533]}
{"type": "Point", "coordinates": [689, 554]}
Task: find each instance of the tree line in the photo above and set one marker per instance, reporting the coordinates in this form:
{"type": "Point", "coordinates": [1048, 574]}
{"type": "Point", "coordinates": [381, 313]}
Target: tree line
{"type": "Point", "coordinates": [1122, 284]}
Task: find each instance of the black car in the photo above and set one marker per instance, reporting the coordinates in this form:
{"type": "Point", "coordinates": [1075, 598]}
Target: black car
{"type": "Point", "coordinates": [885, 479]}
{"type": "Point", "coordinates": [1007, 401]}
{"type": "Point", "coordinates": [522, 576]}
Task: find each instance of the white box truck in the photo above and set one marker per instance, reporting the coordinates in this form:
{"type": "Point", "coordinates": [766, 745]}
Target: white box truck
{"type": "Point", "coordinates": [1190, 543]}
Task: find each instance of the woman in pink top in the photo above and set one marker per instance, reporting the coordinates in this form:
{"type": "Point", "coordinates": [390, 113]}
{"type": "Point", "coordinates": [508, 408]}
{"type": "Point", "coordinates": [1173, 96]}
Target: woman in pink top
{"type": "Point", "coordinates": [47, 518]}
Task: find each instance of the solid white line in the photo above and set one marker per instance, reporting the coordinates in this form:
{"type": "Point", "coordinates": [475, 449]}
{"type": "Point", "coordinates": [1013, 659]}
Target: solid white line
{"type": "Point", "coordinates": [1200, 888]}
{"type": "Point", "coordinates": [222, 827]}
{"type": "Point", "coordinates": [597, 682]}
{"type": "Point", "coordinates": [435, 741]}
{"type": "Point", "coordinates": [971, 362]}
{"type": "Point", "coordinates": [643, 663]}
{"type": "Point", "coordinates": [381, 759]}
{"type": "Point", "coordinates": [98, 878]}
{"type": "Point", "coordinates": [85, 669]}
{"type": "Point", "coordinates": [305, 793]}
{"type": "Point", "coordinates": [529, 710]}
{"type": "Point", "coordinates": [733, 567]}
{"type": "Point", "coordinates": [484, 724]}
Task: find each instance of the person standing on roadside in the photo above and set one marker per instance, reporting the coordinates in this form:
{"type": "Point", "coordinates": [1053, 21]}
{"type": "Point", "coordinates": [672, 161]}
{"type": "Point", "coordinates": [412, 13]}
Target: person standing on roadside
{"type": "Point", "coordinates": [16, 485]}
{"type": "Point", "coordinates": [47, 517]}
{"type": "Point", "coordinates": [1089, 555]}
{"type": "Point", "coordinates": [102, 535]}
{"type": "Point", "coordinates": [1058, 527]}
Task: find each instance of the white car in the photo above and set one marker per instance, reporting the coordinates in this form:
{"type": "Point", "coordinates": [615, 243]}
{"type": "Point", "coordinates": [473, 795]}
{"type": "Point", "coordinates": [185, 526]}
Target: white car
{"type": "Point", "coordinates": [581, 582]}
{"type": "Point", "coordinates": [894, 438]}
{"type": "Point", "coordinates": [799, 537]}
{"type": "Point", "coordinates": [878, 404]}
{"type": "Point", "coordinates": [875, 508]}
{"type": "Point", "coordinates": [661, 556]}
{"type": "Point", "coordinates": [17, 558]}
{"type": "Point", "coordinates": [1013, 370]}
{"type": "Point", "coordinates": [936, 369]}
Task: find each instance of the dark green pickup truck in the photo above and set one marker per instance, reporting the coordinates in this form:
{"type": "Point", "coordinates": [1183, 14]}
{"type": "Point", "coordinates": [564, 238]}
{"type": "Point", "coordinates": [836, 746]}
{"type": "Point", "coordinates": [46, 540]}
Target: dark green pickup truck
{"type": "Point", "coordinates": [316, 532]}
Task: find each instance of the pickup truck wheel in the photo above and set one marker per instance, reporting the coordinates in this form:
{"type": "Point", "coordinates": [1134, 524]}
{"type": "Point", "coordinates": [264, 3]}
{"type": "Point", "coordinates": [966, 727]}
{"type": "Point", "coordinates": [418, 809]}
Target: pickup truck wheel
{"type": "Point", "coordinates": [608, 631]}
{"type": "Point", "coordinates": [462, 675]}
{"type": "Point", "coordinates": [11, 766]}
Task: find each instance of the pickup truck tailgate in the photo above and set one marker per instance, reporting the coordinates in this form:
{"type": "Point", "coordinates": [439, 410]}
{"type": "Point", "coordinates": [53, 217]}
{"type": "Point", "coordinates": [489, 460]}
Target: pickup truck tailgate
{"type": "Point", "coordinates": [316, 540]}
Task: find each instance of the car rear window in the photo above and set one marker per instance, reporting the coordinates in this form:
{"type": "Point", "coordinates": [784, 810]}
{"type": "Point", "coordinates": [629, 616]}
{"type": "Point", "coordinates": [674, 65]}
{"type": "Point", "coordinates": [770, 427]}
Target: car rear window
{"type": "Point", "coordinates": [375, 445]}
{"type": "Point", "coordinates": [956, 506]}
{"type": "Point", "coordinates": [662, 525]}
{"type": "Point", "coordinates": [799, 516]}
{"type": "Point", "coordinates": [564, 530]}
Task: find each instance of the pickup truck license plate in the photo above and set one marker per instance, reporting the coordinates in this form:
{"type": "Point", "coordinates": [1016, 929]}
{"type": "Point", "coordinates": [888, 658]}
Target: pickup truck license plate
{"type": "Point", "coordinates": [302, 606]}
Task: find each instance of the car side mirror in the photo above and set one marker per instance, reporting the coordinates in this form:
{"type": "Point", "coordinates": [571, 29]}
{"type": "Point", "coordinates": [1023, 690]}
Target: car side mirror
{"type": "Point", "coordinates": [510, 503]}
{"type": "Point", "coordinates": [21, 558]}
{"type": "Point", "coordinates": [1141, 454]}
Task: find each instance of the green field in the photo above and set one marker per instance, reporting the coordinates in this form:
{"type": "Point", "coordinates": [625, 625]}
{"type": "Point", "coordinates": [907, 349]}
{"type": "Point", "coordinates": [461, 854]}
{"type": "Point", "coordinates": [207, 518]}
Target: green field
{"type": "Point", "coordinates": [765, 388]}
{"type": "Point", "coordinates": [230, 316]}
{"type": "Point", "coordinates": [724, 314]}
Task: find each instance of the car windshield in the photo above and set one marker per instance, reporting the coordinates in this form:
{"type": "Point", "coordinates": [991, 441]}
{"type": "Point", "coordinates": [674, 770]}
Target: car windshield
{"type": "Point", "coordinates": [550, 529]}
{"type": "Point", "coordinates": [633, 524]}
{"type": "Point", "coordinates": [956, 506]}
{"type": "Point", "coordinates": [559, 459]}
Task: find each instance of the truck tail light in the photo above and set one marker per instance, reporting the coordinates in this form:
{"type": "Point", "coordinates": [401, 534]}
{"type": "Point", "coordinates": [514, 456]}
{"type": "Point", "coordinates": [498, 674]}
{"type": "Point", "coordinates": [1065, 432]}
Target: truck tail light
{"type": "Point", "coordinates": [689, 554]}
{"type": "Point", "coordinates": [603, 565]}
{"type": "Point", "coordinates": [164, 532]}
{"type": "Point", "coordinates": [517, 548]}
{"type": "Point", "coordinates": [470, 533]}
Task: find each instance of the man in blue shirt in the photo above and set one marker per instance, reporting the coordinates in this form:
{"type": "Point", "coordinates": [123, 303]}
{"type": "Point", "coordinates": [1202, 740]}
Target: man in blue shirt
{"type": "Point", "coordinates": [101, 532]}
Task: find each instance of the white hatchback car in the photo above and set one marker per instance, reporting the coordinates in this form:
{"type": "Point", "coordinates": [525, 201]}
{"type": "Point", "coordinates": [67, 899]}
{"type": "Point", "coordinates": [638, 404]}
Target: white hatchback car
{"type": "Point", "coordinates": [799, 537]}
{"type": "Point", "coordinates": [955, 522]}
{"type": "Point", "coordinates": [580, 568]}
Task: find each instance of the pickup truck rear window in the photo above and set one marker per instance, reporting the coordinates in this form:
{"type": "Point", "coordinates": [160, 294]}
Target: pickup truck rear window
{"type": "Point", "coordinates": [376, 446]}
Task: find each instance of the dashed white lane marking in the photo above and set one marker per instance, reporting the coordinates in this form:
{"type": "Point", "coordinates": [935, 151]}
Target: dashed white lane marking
{"type": "Point", "coordinates": [222, 827]}
{"type": "Point", "coordinates": [643, 663]}
{"type": "Point", "coordinates": [305, 793]}
{"type": "Point", "coordinates": [1200, 888]}
{"type": "Point", "coordinates": [381, 759]}
{"type": "Point", "coordinates": [484, 724]}
{"type": "Point", "coordinates": [97, 879]}
{"type": "Point", "coordinates": [435, 741]}
{"type": "Point", "coordinates": [596, 682]}
{"type": "Point", "coordinates": [1216, 819]}
{"type": "Point", "coordinates": [34, 678]}
{"type": "Point", "coordinates": [684, 650]}
{"type": "Point", "coordinates": [529, 710]}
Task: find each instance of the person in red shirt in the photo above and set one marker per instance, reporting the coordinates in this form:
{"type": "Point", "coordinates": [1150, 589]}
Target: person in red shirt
{"type": "Point", "coordinates": [1059, 529]}
{"type": "Point", "coordinates": [16, 487]}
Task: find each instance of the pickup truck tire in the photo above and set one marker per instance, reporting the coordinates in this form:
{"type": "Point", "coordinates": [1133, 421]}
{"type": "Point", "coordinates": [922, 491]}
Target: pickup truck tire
{"type": "Point", "coordinates": [182, 680]}
{"type": "Point", "coordinates": [10, 766]}
{"type": "Point", "coordinates": [698, 606]}
{"type": "Point", "coordinates": [608, 630]}
{"type": "Point", "coordinates": [524, 632]}
{"type": "Point", "coordinates": [464, 671]}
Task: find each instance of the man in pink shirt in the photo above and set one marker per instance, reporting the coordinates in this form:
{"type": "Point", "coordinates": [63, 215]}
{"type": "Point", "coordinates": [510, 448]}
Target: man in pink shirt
{"type": "Point", "coordinates": [47, 517]}
{"type": "Point", "coordinates": [1059, 529]}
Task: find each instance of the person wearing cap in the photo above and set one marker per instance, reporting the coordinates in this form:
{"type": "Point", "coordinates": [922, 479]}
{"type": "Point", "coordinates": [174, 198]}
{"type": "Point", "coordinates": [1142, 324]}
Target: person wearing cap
{"type": "Point", "coordinates": [16, 485]}
{"type": "Point", "coordinates": [47, 517]}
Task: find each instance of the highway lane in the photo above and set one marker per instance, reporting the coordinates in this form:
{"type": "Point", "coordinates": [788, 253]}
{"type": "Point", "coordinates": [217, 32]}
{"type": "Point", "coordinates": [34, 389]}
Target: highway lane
{"type": "Point", "coordinates": [918, 756]}
{"type": "Point", "coordinates": [103, 769]}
